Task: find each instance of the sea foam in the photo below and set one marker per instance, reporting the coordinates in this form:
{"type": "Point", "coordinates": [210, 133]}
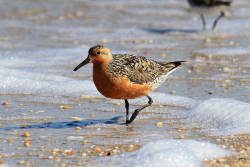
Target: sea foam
{"type": "Point", "coordinates": [170, 153]}
{"type": "Point", "coordinates": [222, 116]}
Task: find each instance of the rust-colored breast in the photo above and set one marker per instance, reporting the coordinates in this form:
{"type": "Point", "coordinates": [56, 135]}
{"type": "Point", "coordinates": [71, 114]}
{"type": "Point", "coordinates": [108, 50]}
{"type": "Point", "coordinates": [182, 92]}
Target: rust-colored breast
{"type": "Point", "coordinates": [118, 87]}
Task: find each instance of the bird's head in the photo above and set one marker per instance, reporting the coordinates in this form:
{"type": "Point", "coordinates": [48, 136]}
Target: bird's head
{"type": "Point", "coordinates": [97, 54]}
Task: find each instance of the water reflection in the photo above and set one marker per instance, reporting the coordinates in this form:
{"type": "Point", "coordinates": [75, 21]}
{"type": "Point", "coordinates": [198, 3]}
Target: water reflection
{"type": "Point", "coordinates": [62, 125]}
{"type": "Point", "coordinates": [169, 30]}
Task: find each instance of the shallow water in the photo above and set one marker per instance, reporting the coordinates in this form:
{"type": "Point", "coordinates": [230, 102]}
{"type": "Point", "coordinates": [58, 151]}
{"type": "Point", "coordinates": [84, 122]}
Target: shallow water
{"type": "Point", "coordinates": [42, 41]}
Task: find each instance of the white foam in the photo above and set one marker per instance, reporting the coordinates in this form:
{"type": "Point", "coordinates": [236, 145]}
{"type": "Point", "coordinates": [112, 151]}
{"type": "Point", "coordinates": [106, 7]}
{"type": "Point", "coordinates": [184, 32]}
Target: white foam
{"type": "Point", "coordinates": [17, 81]}
{"type": "Point", "coordinates": [222, 116]}
{"type": "Point", "coordinates": [171, 153]}
{"type": "Point", "coordinates": [21, 72]}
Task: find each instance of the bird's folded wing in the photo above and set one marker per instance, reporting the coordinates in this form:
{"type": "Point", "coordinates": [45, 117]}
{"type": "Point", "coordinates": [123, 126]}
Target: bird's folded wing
{"type": "Point", "coordinates": [141, 70]}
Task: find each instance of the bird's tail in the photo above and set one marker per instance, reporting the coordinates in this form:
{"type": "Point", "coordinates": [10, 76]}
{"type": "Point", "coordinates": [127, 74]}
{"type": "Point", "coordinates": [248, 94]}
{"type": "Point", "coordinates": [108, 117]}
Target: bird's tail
{"type": "Point", "coordinates": [226, 3]}
{"type": "Point", "coordinates": [171, 65]}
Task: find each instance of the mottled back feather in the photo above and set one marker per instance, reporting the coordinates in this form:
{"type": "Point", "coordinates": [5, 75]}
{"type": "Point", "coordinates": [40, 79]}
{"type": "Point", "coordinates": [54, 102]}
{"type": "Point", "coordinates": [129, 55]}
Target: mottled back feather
{"type": "Point", "coordinates": [138, 69]}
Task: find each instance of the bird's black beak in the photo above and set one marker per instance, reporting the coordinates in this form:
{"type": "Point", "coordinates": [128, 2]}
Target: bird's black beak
{"type": "Point", "coordinates": [86, 61]}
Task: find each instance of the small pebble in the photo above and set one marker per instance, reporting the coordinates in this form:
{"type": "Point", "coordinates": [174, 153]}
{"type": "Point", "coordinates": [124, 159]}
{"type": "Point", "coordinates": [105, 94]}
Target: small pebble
{"type": "Point", "coordinates": [57, 151]}
{"type": "Point", "coordinates": [84, 154]}
{"type": "Point", "coordinates": [79, 151]}
{"type": "Point", "coordinates": [86, 97]}
{"type": "Point", "coordinates": [62, 164]}
{"type": "Point", "coordinates": [189, 71]}
{"type": "Point", "coordinates": [84, 142]}
{"type": "Point", "coordinates": [136, 41]}
{"type": "Point", "coordinates": [223, 146]}
{"type": "Point", "coordinates": [101, 154]}
{"type": "Point", "coordinates": [221, 160]}
{"type": "Point", "coordinates": [29, 154]}
{"type": "Point", "coordinates": [163, 55]}
{"type": "Point", "coordinates": [56, 158]}
{"type": "Point", "coordinates": [78, 128]}
{"type": "Point", "coordinates": [97, 149]}
{"type": "Point", "coordinates": [131, 146]}
{"type": "Point", "coordinates": [27, 143]}
{"type": "Point", "coordinates": [115, 151]}
{"type": "Point", "coordinates": [22, 162]}
{"type": "Point", "coordinates": [5, 103]}
{"type": "Point", "coordinates": [68, 152]}
{"type": "Point", "coordinates": [179, 130]}
{"type": "Point", "coordinates": [65, 107]}
{"type": "Point", "coordinates": [218, 140]}
{"type": "Point", "coordinates": [182, 137]}
{"type": "Point", "coordinates": [10, 140]}
{"type": "Point", "coordinates": [223, 37]}
{"type": "Point", "coordinates": [196, 68]}
{"type": "Point", "coordinates": [26, 134]}
{"type": "Point", "coordinates": [41, 156]}
{"type": "Point", "coordinates": [159, 124]}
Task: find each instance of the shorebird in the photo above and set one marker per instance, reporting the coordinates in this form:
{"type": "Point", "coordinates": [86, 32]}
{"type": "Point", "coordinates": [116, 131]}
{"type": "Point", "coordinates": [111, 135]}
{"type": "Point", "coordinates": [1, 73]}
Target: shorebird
{"type": "Point", "coordinates": [208, 7]}
{"type": "Point", "coordinates": [126, 76]}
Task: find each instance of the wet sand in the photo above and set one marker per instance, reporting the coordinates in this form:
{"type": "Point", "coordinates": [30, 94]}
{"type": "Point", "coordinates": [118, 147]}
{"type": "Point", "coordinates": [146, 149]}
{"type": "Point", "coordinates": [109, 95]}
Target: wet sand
{"type": "Point", "coordinates": [55, 118]}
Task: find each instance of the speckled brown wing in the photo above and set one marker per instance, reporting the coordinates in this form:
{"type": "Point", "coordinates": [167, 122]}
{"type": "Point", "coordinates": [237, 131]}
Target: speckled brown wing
{"type": "Point", "coordinates": [138, 69]}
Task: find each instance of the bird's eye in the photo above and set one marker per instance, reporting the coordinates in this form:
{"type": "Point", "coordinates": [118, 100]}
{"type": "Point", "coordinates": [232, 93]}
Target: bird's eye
{"type": "Point", "coordinates": [98, 53]}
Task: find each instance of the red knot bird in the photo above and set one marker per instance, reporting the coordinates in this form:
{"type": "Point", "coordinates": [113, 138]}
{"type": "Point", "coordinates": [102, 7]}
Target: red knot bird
{"type": "Point", "coordinates": [126, 76]}
{"type": "Point", "coordinates": [209, 7]}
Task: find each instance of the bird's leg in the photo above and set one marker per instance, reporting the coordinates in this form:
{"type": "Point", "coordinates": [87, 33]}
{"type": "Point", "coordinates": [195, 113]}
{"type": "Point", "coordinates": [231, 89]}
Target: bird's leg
{"type": "Point", "coordinates": [127, 110]}
{"type": "Point", "coordinates": [136, 112]}
{"type": "Point", "coordinates": [203, 22]}
{"type": "Point", "coordinates": [222, 14]}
